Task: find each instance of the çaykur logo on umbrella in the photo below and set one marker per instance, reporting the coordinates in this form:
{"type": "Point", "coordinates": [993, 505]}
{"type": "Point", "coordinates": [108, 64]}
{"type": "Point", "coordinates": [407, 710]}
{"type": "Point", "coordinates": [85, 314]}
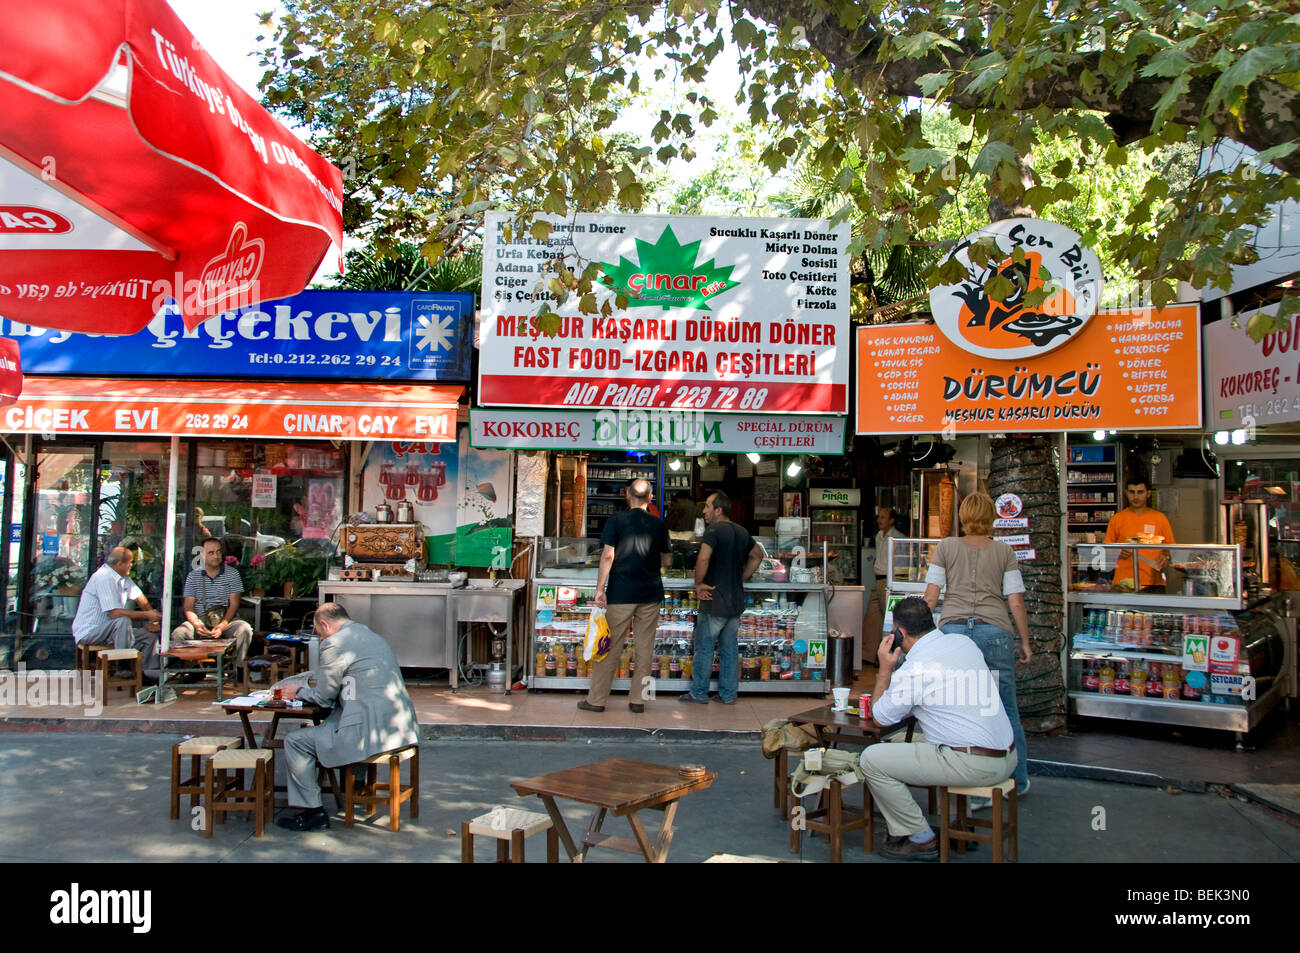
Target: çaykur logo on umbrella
{"type": "Point", "coordinates": [1034, 255]}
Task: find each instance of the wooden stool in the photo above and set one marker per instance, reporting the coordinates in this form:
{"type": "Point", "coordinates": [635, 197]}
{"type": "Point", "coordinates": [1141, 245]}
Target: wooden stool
{"type": "Point", "coordinates": [392, 792]}
{"type": "Point", "coordinates": [196, 748]}
{"type": "Point", "coordinates": [223, 797]}
{"type": "Point", "coordinates": [108, 678]}
{"type": "Point", "coordinates": [86, 656]}
{"type": "Point", "coordinates": [509, 827]}
{"type": "Point", "coordinates": [829, 818]}
{"type": "Point", "coordinates": [1000, 830]}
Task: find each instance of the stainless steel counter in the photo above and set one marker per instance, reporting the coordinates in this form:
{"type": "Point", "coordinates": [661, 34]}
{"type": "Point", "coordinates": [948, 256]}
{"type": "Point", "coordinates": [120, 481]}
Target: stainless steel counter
{"type": "Point", "coordinates": [414, 617]}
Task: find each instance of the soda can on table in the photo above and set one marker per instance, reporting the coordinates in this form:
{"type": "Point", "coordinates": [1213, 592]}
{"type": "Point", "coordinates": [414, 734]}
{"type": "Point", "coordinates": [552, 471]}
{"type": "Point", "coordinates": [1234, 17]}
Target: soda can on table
{"type": "Point", "coordinates": [864, 707]}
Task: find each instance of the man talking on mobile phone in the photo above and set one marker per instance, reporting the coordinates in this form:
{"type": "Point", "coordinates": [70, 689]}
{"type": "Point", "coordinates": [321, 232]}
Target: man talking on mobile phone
{"type": "Point", "coordinates": [946, 686]}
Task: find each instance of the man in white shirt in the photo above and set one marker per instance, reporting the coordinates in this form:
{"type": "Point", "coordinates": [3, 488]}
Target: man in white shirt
{"type": "Point", "coordinates": [103, 617]}
{"type": "Point", "coordinates": [952, 694]}
{"type": "Point", "coordinates": [873, 624]}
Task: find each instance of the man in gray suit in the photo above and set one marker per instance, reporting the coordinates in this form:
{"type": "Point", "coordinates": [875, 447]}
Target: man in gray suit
{"type": "Point", "coordinates": [360, 680]}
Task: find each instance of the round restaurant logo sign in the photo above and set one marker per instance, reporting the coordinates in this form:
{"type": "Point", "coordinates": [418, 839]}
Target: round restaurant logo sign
{"type": "Point", "coordinates": [1008, 506]}
{"type": "Point", "coordinates": [1032, 255]}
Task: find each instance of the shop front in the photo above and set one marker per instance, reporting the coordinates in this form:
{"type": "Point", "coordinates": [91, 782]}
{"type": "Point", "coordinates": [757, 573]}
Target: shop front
{"type": "Point", "coordinates": [1116, 395]}
{"type": "Point", "coordinates": [268, 460]}
{"type": "Point", "coordinates": [723, 366]}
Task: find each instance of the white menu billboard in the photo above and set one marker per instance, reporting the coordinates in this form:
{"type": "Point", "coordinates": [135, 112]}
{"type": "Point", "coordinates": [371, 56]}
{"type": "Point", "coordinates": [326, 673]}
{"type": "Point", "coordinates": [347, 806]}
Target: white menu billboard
{"type": "Point", "coordinates": [1249, 383]}
{"type": "Point", "coordinates": [723, 314]}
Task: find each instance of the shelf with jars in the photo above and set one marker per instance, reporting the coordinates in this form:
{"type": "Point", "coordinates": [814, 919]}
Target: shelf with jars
{"type": "Point", "coordinates": [1184, 649]}
{"type": "Point", "coordinates": [778, 635]}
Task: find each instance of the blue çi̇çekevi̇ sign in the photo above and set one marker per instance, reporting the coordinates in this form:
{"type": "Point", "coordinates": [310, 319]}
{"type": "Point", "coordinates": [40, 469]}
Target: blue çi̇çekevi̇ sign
{"type": "Point", "coordinates": [372, 335]}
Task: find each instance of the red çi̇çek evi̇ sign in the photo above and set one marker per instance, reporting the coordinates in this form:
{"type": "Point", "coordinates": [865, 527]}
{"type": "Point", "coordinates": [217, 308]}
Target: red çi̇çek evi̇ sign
{"type": "Point", "coordinates": [723, 314]}
{"type": "Point", "coordinates": [991, 365]}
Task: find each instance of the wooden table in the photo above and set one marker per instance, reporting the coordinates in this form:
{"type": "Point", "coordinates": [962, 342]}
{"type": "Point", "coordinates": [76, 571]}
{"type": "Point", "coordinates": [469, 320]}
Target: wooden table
{"type": "Point", "coordinates": [624, 788]}
{"type": "Point", "coordinates": [833, 728]}
{"type": "Point", "coordinates": [316, 713]}
{"type": "Point", "coordinates": [195, 651]}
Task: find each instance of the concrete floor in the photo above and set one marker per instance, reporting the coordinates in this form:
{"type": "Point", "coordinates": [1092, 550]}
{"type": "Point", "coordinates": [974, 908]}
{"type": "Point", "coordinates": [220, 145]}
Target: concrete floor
{"type": "Point", "coordinates": [90, 797]}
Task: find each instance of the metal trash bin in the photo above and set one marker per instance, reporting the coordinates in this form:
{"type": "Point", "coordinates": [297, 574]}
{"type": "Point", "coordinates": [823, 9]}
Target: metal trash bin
{"type": "Point", "coordinates": [839, 660]}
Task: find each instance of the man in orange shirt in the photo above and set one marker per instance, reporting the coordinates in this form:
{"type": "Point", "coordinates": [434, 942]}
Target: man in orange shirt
{"type": "Point", "coordinates": [1139, 523]}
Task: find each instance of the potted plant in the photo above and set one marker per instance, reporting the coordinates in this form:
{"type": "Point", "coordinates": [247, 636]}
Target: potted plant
{"type": "Point", "coordinates": [255, 575]}
{"type": "Point", "coordinates": [288, 568]}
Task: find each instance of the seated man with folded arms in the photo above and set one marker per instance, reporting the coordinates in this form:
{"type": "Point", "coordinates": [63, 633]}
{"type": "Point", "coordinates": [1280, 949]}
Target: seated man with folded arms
{"type": "Point", "coordinates": [103, 617]}
{"type": "Point", "coordinates": [952, 694]}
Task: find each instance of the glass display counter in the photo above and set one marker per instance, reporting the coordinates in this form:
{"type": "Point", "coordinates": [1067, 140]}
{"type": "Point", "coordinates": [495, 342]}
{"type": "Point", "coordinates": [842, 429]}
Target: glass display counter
{"type": "Point", "coordinates": [1180, 646]}
{"type": "Point", "coordinates": [782, 633]}
{"type": "Point", "coordinates": [908, 562]}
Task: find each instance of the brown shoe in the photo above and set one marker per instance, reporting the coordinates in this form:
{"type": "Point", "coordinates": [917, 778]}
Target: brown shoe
{"type": "Point", "coordinates": [908, 850]}
{"type": "Point", "coordinates": [583, 706]}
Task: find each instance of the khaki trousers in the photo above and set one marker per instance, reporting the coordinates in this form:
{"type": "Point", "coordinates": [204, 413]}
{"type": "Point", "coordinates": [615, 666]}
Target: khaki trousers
{"type": "Point", "coordinates": [873, 623]}
{"type": "Point", "coordinates": [644, 618]}
{"type": "Point", "coordinates": [891, 768]}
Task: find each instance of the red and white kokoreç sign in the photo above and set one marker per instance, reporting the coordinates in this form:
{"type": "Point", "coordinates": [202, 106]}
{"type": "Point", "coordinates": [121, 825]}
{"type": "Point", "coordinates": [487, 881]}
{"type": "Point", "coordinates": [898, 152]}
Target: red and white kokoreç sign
{"type": "Point", "coordinates": [723, 314]}
{"type": "Point", "coordinates": [134, 171]}
{"type": "Point", "coordinates": [1251, 383]}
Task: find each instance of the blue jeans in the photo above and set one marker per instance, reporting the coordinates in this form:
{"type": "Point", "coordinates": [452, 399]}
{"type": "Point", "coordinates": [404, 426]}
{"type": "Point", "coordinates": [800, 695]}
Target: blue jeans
{"type": "Point", "coordinates": [999, 648]}
{"type": "Point", "coordinates": [708, 630]}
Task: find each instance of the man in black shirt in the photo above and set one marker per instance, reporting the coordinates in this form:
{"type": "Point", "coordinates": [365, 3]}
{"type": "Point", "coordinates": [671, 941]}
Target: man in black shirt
{"type": "Point", "coordinates": [728, 556]}
{"type": "Point", "coordinates": [634, 546]}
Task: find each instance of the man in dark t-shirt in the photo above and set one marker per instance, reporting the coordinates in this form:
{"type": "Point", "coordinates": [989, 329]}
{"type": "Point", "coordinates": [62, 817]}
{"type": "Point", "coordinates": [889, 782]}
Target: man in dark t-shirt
{"type": "Point", "coordinates": [634, 547]}
{"type": "Point", "coordinates": [728, 556]}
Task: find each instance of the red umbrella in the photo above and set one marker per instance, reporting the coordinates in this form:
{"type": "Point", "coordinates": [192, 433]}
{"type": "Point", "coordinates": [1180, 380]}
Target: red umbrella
{"type": "Point", "coordinates": [133, 170]}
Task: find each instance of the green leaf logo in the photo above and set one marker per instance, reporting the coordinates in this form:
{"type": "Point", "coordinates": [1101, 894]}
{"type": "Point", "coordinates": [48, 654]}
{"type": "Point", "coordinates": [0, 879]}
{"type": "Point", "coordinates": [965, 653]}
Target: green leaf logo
{"type": "Point", "coordinates": [667, 276]}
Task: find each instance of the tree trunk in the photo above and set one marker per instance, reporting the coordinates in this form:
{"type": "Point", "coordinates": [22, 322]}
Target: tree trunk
{"type": "Point", "coordinates": [1028, 466]}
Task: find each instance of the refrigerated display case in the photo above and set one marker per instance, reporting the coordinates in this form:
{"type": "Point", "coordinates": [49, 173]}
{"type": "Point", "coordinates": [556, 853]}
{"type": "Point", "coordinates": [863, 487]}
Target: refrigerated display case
{"type": "Point", "coordinates": [782, 634]}
{"type": "Point", "coordinates": [1196, 654]}
{"type": "Point", "coordinates": [835, 521]}
{"type": "Point", "coordinates": [909, 561]}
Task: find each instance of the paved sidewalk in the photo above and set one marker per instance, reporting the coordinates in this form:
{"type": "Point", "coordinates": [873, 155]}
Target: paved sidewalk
{"type": "Point", "coordinates": [88, 797]}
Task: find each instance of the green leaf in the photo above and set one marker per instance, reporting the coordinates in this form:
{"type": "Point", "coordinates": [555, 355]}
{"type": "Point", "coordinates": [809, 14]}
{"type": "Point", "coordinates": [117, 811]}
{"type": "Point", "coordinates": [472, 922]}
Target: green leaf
{"type": "Point", "coordinates": [987, 78]}
{"type": "Point", "coordinates": [918, 160]}
{"type": "Point", "coordinates": [1277, 152]}
{"type": "Point", "coordinates": [1249, 67]}
{"type": "Point", "coordinates": [993, 155]}
{"type": "Point", "coordinates": [1167, 103]}
{"type": "Point", "coordinates": [540, 230]}
{"type": "Point", "coordinates": [744, 33]}
{"type": "Point", "coordinates": [919, 44]}
{"type": "Point", "coordinates": [931, 83]}
{"type": "Point", "coordinates": [1167, 63]}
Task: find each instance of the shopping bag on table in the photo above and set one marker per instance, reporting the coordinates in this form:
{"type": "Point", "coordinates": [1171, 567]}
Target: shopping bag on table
{"type": "Point", "coordinates": [596, 645]}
